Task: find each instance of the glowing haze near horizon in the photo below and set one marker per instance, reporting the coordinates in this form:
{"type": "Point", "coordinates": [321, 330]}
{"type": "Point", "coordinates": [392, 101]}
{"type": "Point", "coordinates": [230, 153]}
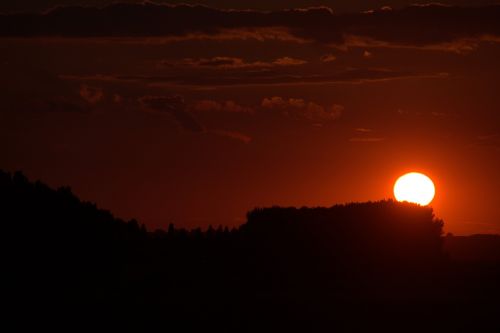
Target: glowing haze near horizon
{"type": "Point", "coordinates": [199, 118]}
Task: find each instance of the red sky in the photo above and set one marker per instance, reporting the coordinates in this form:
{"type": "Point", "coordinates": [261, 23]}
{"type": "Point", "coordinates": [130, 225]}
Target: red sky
{"type": "Point", "coordinates": [195, 115]}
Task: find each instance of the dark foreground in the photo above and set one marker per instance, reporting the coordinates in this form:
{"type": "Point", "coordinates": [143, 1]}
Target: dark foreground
{"type": "Point", "coordinates": [381, 266]}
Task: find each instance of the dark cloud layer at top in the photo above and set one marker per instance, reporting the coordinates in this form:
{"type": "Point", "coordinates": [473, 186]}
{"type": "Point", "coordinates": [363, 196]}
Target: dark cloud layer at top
{"type": "Point", "coordinates": [414, 25]}
{"type": "Point", "coordinates": [338, 5]}
{"type": "Point", "coordinates": [149, 19]}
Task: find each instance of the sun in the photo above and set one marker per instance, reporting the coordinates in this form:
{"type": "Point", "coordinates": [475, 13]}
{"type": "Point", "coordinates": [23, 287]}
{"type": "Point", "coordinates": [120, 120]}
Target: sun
{"type": "Point", "coordinates": [414, 187]}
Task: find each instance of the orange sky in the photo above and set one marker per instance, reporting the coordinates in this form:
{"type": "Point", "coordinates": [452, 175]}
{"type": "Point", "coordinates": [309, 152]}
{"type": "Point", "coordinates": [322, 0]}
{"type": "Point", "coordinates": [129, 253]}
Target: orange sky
{"type": "Point", "coordinates": [197, 127]}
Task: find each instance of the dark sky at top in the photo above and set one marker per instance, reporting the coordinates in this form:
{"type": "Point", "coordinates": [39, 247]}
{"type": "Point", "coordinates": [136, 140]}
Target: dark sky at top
{"type": "Point", "coordinates": [338, 5]}
{"type": "Point", "coordinates": [195, 115]}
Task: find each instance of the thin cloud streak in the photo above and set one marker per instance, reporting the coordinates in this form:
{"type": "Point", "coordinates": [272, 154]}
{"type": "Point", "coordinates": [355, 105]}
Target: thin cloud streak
{"type": "Point", "coordinates": [432, 26]}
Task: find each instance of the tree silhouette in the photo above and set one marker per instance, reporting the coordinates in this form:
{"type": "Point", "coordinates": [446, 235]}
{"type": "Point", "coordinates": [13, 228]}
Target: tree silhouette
{"type": "Point", "coordinates": [296, 269]}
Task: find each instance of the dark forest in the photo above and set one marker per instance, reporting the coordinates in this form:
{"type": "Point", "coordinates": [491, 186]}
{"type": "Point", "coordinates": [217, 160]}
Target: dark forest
{"type": "Point", "coordinates": [378, 266]}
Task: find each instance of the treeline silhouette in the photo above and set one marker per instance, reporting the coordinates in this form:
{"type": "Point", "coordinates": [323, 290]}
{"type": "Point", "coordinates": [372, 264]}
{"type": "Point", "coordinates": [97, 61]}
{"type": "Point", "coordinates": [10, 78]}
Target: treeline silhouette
{"type": "Point", "coordinates": [356, 267]}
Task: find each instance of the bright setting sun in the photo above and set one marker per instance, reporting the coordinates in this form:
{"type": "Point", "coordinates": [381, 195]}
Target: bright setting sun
{"type": "Point", "coordinates": [414, 187]}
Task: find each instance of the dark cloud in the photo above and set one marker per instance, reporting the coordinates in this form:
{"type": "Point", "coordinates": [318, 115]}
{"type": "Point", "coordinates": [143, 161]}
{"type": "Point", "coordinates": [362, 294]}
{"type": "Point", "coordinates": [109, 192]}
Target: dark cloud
{"type": "Point", "coordinates": [175, 106]}
{"type": "Point", "coordinates": [338, 5]}
{"type": "Point", "coordinates": [215, 106]}
{"type": "Point", "coordinates": [363, 130]}
{"type": "Point", "coordinates": [51, 104]}
{"type": "Point", "coordinates": [92, 95]}
{"type": "Point", "coordinates": [235, 135]}
{"type": "Point", "coordinates": [180, 111]}
{"type": "Point", "coordinates": [366, 139]}
{"type": "Point", "coordinates": [328, 58]}
{"type": "Point", "coordinates": [417, 25]}
{"type": "Point", "coordinates": [366, 135]}
{"type": "Point", "coordinates": [222, 62]}
{"type": "Point", "coordinates": [289, 61]}
{"type": "Point", "coordinates": [33, 90]}
{"type": "Point", "coordinates": [233, 63]}
{"type": "Point", "coordinates": [149, 19]}
{"type": "Point", "coordinates": [487, 141]}
{"type": "Point", "coordinates": [301, 109]}
{"type": "Point", "coordinates": [263, 78]}
{"type": "Point", "coordinates": [367, 54]}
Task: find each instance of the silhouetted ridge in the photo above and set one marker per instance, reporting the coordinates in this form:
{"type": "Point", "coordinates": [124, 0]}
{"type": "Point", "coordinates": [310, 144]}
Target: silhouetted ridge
{"type": "Point", "coordinates": [58, 247]}
{"type": "Point", "coordinates": [376, 266]}
{"type": "Point", "coordinates": [474, 248]}
{"type": "Point", "coordinates": [380, 230]}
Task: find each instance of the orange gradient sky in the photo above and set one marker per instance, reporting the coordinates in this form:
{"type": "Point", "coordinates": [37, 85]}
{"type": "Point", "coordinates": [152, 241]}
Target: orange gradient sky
{"type": "Point", "coordinates": [198, 124]}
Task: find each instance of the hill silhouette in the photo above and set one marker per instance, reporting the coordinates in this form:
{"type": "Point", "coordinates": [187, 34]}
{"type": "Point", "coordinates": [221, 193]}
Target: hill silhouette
{"type": "Point", "coordinates": [362, 266]}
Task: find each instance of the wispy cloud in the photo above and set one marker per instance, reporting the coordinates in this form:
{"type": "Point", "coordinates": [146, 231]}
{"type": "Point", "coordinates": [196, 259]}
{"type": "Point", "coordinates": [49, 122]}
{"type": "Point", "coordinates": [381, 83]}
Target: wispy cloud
{"type": "Point", "coordinates": [235, 135]}
{"type": "Point", "coordinates": [223, 62]}
{"type": "Point", "coordinates": [366, 139]}
{"type": "Point", "coordinates": [432, 26]}
{"type": "Point", "coordinates": [216, 106]}
{"type": "Point", "coordinates": [174, 106]}
{"type": "Point", "coordinates": [300, 108]}
{"type": "Point", "coordinates": [328, 58]}
{"type": "Point", "coordinates": [92, 95]}
{"type": "Point", "coordinates": [264, 78]}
